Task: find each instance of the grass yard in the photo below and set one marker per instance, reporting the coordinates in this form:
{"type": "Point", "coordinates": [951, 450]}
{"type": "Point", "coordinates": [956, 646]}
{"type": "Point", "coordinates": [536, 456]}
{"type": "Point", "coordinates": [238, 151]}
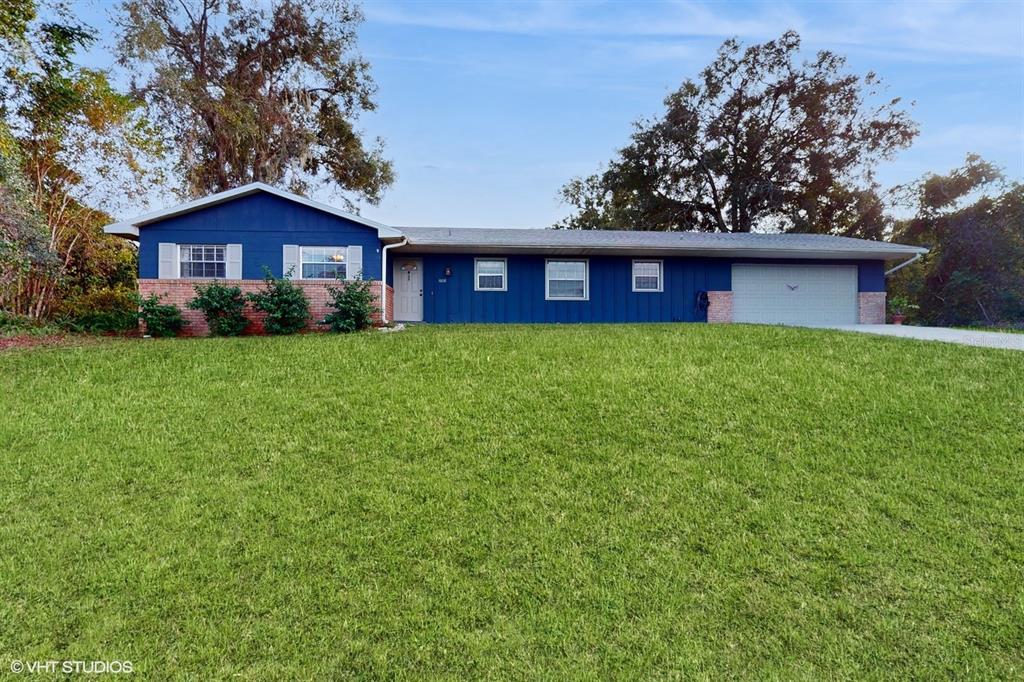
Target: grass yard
{"type": "Point", "coordinates": [674, 501]}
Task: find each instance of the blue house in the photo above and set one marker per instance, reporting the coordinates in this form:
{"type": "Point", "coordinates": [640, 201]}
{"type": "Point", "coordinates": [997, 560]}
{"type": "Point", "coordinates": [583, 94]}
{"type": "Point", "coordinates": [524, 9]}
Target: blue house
{"type": "Point", "coordinates": [503, 275]}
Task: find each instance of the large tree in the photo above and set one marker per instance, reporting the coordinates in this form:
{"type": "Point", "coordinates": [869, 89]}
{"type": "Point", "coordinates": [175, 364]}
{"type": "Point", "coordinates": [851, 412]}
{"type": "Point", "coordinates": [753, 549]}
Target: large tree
{"type": "Point", "coordinates": [761, 140]}
{"type": "Point", "coordinates": [71, 144]}
{"type": "Point", "coordinates": [973, 222]}
{"type": "Point", "coordinates": [248, 93]}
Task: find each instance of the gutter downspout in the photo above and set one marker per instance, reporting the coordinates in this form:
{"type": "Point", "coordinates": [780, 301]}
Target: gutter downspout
{"type": "Point", "coordinates": [903, 265]}
{"type": "Point", "coordinates": [384, 278]}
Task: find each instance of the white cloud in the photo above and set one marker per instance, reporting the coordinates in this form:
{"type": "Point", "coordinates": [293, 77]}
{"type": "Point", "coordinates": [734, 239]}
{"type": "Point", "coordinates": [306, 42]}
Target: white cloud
{"type": "Point", "coordinates": [912, 31]}
{"type": "Point", "coordinates": [548, 17]}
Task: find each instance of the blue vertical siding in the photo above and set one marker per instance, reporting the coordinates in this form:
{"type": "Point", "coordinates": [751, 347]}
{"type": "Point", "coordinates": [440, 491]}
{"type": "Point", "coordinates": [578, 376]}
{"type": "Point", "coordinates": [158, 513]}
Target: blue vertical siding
{"type": "Point", "coordinates": [871, 275]}
{"type": "Point", "coordinates": [262, 224]}
{"type": "Point", "coordinates": [453, 299]}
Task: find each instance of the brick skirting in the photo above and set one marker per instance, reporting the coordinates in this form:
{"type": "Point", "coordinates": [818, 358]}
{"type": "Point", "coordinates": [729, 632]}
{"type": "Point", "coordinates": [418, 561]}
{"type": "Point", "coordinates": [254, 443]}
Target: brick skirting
{"type": "Point", "coordinates": [179, 292]}
{"type": "Point", "coordinates": [719, 307]}
{"type": "Point", "coordinates": [871, 307]}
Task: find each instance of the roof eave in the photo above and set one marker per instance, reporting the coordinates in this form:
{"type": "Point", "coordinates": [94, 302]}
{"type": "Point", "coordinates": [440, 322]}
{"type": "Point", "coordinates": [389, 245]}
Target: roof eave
{"type": "Point", "coordinates": [126, 230]}
{"type": "Point", "coordinates": [722, 252]}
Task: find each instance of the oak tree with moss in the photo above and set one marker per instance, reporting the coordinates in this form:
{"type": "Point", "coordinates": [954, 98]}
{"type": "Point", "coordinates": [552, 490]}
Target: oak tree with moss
{"type": "Point", "coordinates": [250, 93]}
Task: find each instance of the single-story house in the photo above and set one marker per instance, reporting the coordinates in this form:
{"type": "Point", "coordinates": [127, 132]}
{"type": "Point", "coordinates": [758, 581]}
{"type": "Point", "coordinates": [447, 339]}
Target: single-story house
{"type": "Point", "coordinates": [511, 275]}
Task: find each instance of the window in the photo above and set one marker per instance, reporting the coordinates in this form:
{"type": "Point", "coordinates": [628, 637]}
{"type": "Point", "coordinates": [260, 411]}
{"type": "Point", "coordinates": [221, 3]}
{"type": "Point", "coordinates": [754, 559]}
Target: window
{"type": "Point", "coordinates": [323, 262]}
{"type": "Point", "coordinates": [490, 274]}
{"type": "Point", "coordinates": [202, 260]}
{"type": "Point", "coordinates": [566, 280]}
{"type": "Point", "coordinates": [647, 275]}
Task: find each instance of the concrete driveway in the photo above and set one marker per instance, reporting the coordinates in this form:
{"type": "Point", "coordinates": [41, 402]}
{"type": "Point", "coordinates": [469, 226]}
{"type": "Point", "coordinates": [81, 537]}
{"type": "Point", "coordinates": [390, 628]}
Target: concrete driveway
{"type": "Point", "coordinates": [965, 337]}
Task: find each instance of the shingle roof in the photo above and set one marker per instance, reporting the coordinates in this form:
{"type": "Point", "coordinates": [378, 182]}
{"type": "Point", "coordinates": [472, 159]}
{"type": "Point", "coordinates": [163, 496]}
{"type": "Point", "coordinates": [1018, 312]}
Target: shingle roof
{"type": "Point", "coordinates": [696, 243]}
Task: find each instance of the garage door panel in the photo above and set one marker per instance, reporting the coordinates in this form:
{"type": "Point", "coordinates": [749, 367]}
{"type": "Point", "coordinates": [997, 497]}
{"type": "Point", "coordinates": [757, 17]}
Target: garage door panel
{"type": "Point", "coordinates": [813, 295]}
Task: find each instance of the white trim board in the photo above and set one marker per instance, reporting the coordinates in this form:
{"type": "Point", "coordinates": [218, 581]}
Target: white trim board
{"type": "Point", "coordinates": [661, 275]}
{"type": "Point", "coordinates": [586, 279]}
{"type": "Point", "coordinates": [476, 273]}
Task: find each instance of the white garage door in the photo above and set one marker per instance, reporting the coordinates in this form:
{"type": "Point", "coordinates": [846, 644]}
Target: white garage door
{"type": "Point", "coordinates": [811, 295]}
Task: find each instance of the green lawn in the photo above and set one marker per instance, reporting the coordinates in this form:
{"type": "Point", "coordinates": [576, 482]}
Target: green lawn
{"type": "Point", "coordinates": [516, 502]}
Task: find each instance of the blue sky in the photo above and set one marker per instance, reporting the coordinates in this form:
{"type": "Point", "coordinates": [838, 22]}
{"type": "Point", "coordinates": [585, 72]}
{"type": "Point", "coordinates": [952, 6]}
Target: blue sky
{"type": "Point", "coordinates": [488, 108]}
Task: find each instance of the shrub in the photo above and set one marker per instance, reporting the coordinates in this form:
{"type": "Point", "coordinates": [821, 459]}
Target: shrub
{"type": "Point", "coordinates": [284, 302]}
{"type": "Point", "coordinates": [107, 309]}
{"type": "Point", "coordinates": [353, 307]}
{"type": "Point", "coordinates": [160, 319]}
{"type": "Point", "coordinates": [901, 305]}
{"type": "Point", "coordinates": [12, 324]}
{"type": "Point", "coordinates": [222, 306]}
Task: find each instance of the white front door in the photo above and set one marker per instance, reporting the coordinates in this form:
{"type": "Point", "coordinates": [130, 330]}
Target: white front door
{"type": "Point", "coordinates": [806, 295]}
{"type": "Point", "coordinates": [408, 289]}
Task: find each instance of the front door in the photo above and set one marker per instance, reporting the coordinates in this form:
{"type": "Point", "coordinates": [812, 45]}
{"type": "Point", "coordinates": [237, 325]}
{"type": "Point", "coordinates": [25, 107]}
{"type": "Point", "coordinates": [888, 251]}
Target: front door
{"type": "Point", "coordinates": [408, 289]}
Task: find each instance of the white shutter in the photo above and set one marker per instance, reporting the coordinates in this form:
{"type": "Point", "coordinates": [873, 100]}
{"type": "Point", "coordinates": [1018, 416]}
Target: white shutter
{"type": "Point", "coordinates": [168, 268]}
{"type": "Point", "coordinates": [233, 267]}
{"type": "Point", "coordinates": [354, 269]}
{"type": "Point", "coordinates": [291, 262]}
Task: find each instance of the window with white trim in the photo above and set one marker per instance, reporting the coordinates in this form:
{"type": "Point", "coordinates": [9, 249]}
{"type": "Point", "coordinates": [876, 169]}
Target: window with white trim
{"type": "Point", "coordinates": [566, 280]}
{"type": "Point", "coordinates": [323, 262]}
{"type": "Point", "coordinates": [490, 274]}
{"type": "Point", "coordinates": [202, 261]}
{"type": "Point", "coordinates": [647, 275]}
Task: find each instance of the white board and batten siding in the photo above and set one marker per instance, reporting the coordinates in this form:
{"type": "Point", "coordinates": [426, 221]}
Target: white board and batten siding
{"type": "Point", "coordinates": [169, 265]}
{"type": "Point", "coordinates": [805, 295]}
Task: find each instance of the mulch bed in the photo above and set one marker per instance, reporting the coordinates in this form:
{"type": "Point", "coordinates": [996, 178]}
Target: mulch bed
{"type": "Point", "coordinates": [13, 342]}
{"type": "Point", "coordinates": [34, 341]}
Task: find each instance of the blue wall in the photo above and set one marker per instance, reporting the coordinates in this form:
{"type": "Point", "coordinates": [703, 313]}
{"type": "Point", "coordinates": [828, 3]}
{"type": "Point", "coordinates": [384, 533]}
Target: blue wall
{"type": "Point", "coordinates": [452, 299]}
{"type": "Point", "coordinates": [611, 295]}
{"type": "Point", "coordinates": [262, 223]}
{"type": "Point", "coordinates": [871, 275]}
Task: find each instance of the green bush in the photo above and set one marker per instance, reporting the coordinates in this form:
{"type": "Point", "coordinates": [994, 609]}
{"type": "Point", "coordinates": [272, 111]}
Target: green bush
{"type": "Point", "coordinates": [284, 302]}
{"type": "Point", "coordinates": [12, 324]}
{"type": "Point", "coordinates": [353, 307]}
{"type": "Point", "coordinates": [222, 306]}
{"type": "Point", "coordinates": [160, 319]}
{"type": "Point", "coordinates": [107, 309]}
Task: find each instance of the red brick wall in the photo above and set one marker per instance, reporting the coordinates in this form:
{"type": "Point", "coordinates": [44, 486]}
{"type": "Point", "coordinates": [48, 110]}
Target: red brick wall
{"type": "Point", "coordinates": [871, 307]}
{"type": "Point", "coordinates": [179, 292]}
{"type": "Point", "coordinates": [719, 307]}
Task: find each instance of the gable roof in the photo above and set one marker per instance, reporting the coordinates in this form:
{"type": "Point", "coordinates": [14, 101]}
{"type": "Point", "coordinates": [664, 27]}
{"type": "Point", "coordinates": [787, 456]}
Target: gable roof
{"type": "Point", "coordinates": [583, 242]}
{"type": "Point", "coordinates": [130, 228]}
